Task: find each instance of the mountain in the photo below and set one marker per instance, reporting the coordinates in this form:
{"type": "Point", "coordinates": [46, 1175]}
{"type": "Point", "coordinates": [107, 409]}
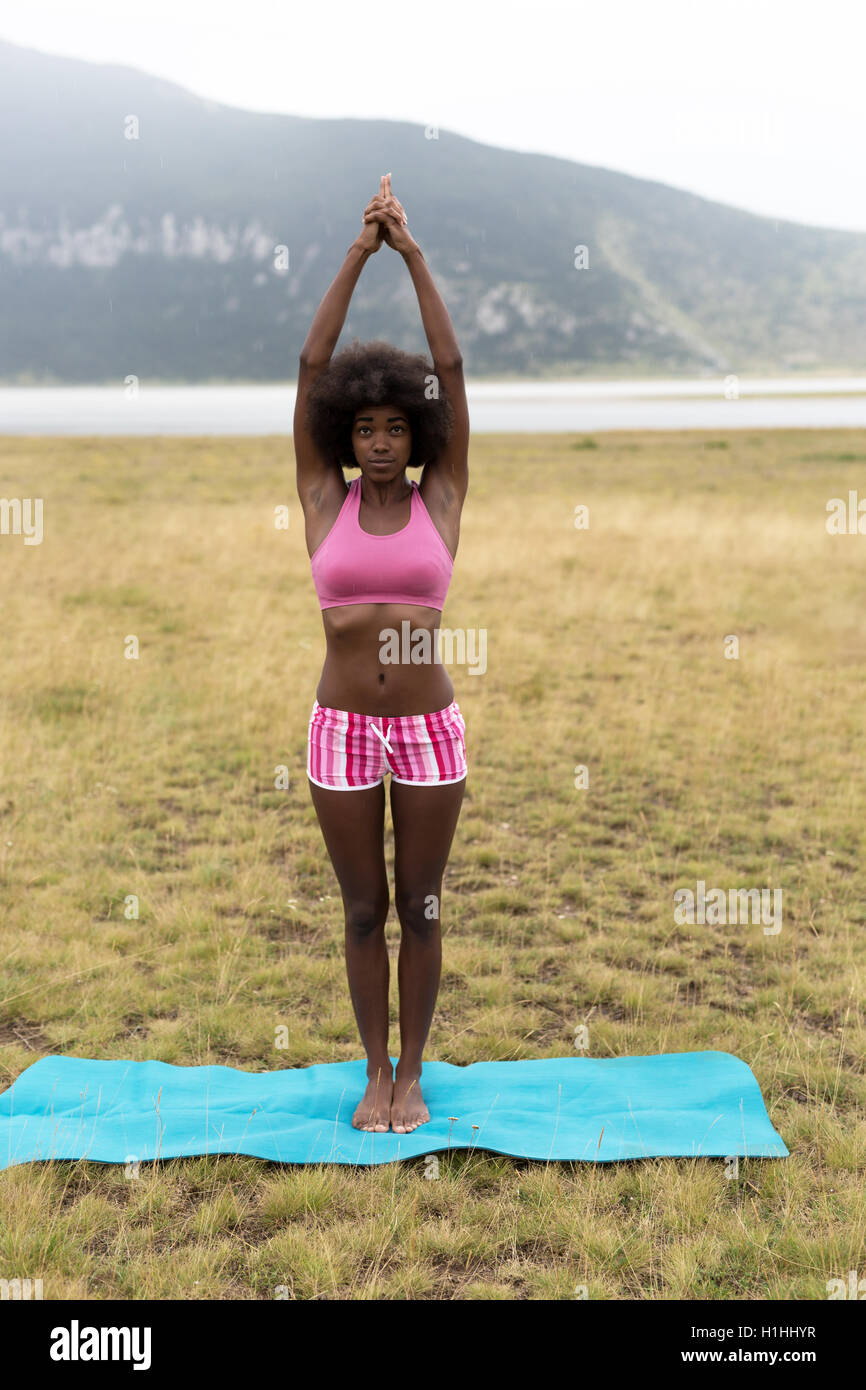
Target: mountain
{"type": "Point", "coordinates": [156, 255]}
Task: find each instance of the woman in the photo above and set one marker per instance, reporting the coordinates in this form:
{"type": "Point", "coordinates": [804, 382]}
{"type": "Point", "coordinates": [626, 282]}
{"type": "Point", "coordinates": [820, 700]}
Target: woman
{"type": "Point", "coordinates": [382, 552]}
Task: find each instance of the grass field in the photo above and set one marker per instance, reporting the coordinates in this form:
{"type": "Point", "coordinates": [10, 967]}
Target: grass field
{"type": "Point", "coordinates": [606, 648]}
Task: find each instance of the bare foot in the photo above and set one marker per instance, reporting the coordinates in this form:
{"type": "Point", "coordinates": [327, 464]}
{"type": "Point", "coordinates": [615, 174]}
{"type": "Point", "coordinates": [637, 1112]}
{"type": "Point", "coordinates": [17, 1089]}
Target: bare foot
{"type": "Point", "coordinates": [408, 1110]}
{"type": "Point", "coordinates": [374, 1110]}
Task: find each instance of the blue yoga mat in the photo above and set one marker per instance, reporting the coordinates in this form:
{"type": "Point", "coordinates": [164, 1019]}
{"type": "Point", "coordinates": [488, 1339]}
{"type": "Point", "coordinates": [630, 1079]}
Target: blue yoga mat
{"type": "Point", "coordinates": [689, 1104]}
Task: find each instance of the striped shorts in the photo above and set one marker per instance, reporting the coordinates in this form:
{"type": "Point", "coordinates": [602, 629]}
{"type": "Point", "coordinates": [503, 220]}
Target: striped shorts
{"type": "Point", "coordinates": [347, 751]}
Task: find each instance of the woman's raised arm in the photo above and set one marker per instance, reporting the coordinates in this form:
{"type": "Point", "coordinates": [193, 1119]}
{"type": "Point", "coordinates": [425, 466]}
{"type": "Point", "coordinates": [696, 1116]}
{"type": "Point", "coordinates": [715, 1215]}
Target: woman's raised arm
{"type": "Point", "coordinates": [445, 479]}
{"type": "Point", "coordinates": [315, 473]}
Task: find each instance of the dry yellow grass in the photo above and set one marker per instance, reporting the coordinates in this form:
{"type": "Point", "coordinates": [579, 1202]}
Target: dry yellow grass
{"type": "Point", "coordinates": [155, 777]}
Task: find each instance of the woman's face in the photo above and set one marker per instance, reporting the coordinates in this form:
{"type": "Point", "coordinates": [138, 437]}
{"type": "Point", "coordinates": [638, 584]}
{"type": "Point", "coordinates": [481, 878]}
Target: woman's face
{"type": "Point", "coordinates": [382, 442]}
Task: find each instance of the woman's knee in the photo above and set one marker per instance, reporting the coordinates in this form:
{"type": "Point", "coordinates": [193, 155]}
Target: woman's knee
{"type": "Point", "coordinates": [418, 911]}
{"type": "Point", "coordinates": [366, 916]}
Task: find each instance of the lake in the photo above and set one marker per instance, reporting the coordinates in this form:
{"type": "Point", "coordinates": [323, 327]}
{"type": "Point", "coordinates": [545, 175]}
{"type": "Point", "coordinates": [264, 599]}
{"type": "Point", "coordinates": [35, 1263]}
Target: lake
{"type": "Point", "coordinates": [584, 406]}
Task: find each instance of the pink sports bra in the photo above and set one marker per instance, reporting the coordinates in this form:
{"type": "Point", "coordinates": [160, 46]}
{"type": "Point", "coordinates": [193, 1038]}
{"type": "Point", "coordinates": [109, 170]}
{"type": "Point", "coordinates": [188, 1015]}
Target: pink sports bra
{"type": "Point", "coordinates": [412, 566]}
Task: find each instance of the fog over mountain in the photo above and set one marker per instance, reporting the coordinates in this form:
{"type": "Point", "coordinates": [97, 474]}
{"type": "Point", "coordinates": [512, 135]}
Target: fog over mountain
{"type": "Point", "coordinates": [199, 250]}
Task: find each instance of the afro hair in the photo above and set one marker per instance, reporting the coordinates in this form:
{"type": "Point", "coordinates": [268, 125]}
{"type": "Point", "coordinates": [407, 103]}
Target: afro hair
{"type": "Point", "coordinates": [373, 374]}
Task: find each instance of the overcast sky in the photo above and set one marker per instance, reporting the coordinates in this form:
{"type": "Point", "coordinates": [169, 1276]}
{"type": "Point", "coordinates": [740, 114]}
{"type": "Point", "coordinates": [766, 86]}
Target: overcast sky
{"type": "Point", "coordinates": [757, 103]}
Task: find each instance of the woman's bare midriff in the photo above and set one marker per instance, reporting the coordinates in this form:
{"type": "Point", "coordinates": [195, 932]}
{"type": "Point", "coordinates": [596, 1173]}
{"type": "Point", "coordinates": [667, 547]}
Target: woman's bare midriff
{"type": "Point", "coordinates": [369, 666]}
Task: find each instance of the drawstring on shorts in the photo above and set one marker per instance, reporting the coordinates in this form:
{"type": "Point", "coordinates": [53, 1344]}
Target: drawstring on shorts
{"type": "Point", "coordinates": [383, 736]}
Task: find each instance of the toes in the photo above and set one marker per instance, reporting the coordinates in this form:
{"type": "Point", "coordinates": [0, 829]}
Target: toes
{"type": "Point", "coordinates": [367, 1123]}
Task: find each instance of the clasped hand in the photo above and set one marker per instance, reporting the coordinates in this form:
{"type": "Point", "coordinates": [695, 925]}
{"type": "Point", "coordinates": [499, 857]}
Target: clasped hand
{"type": "Point", "coordinates": [385, 220]}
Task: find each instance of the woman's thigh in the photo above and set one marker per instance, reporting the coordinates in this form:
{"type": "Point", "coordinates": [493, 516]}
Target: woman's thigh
{"type": "Point", "coordinates": [353, 826]}
{"type": "Point", "coordinates": [425, 819]}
